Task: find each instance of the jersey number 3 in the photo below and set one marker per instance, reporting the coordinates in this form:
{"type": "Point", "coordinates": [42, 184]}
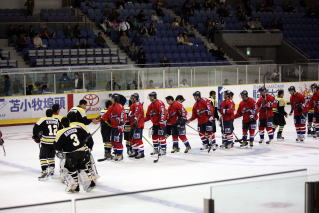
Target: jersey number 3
{"type": "Point", "coordinates": [75, 139]}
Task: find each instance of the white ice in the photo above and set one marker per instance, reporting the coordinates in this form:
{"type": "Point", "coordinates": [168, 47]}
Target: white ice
{"type": "Point", "coordinates": [20, 168]}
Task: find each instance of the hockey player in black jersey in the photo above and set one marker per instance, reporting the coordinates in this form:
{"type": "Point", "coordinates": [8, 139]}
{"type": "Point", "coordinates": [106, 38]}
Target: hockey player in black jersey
{"type": "Point", "coordinates": [81, 113]}
{"type": "Point", "coordinates": [75, 142]}
{"type": "Point", "coordinates": [106, 133]}
{"type": "Point", "coordinates": [44, 132]}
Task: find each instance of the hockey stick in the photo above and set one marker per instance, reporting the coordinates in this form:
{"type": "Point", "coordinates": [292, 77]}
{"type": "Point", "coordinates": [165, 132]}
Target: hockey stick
{"type": "Point", "coordinates": [210, 145]}
{"type": "Point", "coordinates": [4, 150]}
{"type": "Point", "coordinates": [158, 156]}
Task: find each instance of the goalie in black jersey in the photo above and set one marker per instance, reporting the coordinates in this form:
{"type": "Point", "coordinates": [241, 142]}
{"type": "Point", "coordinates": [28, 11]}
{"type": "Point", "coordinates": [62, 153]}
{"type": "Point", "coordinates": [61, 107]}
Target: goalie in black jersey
{"type": "Point", "coordinates": [44, 132]}
{"type": "Point", "coordinates": [75, 142]}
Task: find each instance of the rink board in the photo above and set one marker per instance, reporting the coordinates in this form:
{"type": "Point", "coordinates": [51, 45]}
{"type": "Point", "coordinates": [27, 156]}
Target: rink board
{"type": "Point", "coordinates": [18, 110]}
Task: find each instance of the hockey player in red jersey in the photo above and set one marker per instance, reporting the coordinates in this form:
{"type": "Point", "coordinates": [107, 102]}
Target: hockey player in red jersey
{"type": "Point", "coordinates": [116, 116]}
{"type": "Point", "coordinates": [266, 115]}
{"type": "Point", "coordinates": [176, 119]}
{"type": "Point", "coordinates": [247, 109]}
{"type": "Point", "coordinates": [136, 118]}
{"type": "Point", "coordinates": [314, 104]}
{"type": "Point", "coordinates": [203, 111]}
{"type": "Point", "coordinates": [297, 101]}
{"type": "Point", "coordinates": [157, 113]}
{"type": "Point", "coordinates": [227, 109]}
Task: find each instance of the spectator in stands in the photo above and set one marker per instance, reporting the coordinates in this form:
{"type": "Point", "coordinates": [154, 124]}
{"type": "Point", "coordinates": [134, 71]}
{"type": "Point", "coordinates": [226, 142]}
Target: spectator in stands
{"type": "Point", "coordinates": [151, 30]}
{"type": "Point", "coordinates": [175, 24]}
{"type": "Point", "coordinates": [7, 85]}
{"type": "Point", "coordinates": [124, 26]}
{"type": "Point", "coordinates": [64, 78]}
{"type": "Point", "coordinates": [189, 8]}
{"type": "Point", "coordinates": [29, 89]}
{"type": "Point", "coordinates": [150, 85]}
{"type": "Point", "coordinates": [78, 81]}
{"type": "Point", "coordinates": [141, 16]}
{"type": "Point", "coordinates": [141, 60]}
{"type": "Point", "coordinates": [133, 50]}
{"type": "Point", "coordinates": [12, 34]}
{"type": "Point", "coordinates": [21, 41]}
{"type": "Point", "coordinates": [114, 15]}
{"type": "Point", "coordinates": [46, 34]}
{"type": "Point", "coordinates": [170, 83]}
{"type": "Point", "coordinates": [219, 53]}
{"type": "Point", "coordinates": [209, 5]}
{"type": "Point", "coordinates": [44, 89]}
{"type": "Point", "coordinates": [37, 42]}
{"type": "Point", "coordinates": [76, 45]}
{"type": "Point", "coordinates": [68, 32]}
{"type": "Point", "coordinates": [183, 39]}
{"type": "Point", "coordinates": [77, 31]}
{"type": "Point", "coordinates": [159, 11]}
{"type": "Point", "coordinates": [29, 4]}
{"type": "Point", "coordinates": [288, 7]}
{"type": "Point", "coordinates": [143, 31]}
{"type": "Point", "coordinates": [226, 82]}
{"type": "Point", "coordinates": [99, 41]}
{"type": "Point", "coordinates": [113, 85]}
{"type": "Point", "coordinates": [159, 4]}
{"type": "Point", "coordinates": [155, 18]}
{"type": "Point", "coordinates": [124, 41]}
{"type": "Point", "coordinates": [84, 44]}
{"type": "Point", "coordinates": [184, 83]}
{"type": "Point", "coordinates": [31, 32]}
{"type": "Point", "coordinates": [164, 62]}
{"type": "Point", "coordinates": [211, 30]}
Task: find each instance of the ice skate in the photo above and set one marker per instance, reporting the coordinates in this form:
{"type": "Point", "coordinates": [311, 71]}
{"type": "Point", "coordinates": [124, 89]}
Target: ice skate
{"type": "Point", "coordinates": [244, 143]}
{"type": "Point", "coordinates": [268, 142]}
{"type": "Point", "coordinates": [188, 148]}
{"type": "Point", "coordinates": [51, 171]}
{"type": "Point", "coordinates": [251, 144]}
{"type": "Point", "coordinates": [43, 176]}
{"type": "Point", "coordinates": [155, 151]}
{"type": "Point", "coordinates": [91, 186]}
{"type": "Point", "coordinates": [205, 146]}
{"type": "Point", "coordinates": [73, 188]}
{"type": "Point", "coordinates": [133, 154]}
{"type": "Point", "coordinates": [163, 152]}
{"type": "Point", "coordinates": [214, 146]}
{"type": "Point", "coordinates": [175, 149]}
{"type": "Point", "coordinates": [140, 155]}
{"type": "Point", "coordinates": [118, 157]}
{"type": "Point", "coordinates": [261, 141]}
{"type": "Point", "coordinates": [279, 136]}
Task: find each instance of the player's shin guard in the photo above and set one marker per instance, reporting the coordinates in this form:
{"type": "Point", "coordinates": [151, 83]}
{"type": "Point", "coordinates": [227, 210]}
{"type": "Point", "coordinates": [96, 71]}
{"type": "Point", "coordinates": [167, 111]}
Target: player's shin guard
{"type": "Point", "coordinates": [203, 138]}
{"type": "Point", "coordinates": [229, 142]}
{"type": "Point", "coordinates": [270, 133]}
{"type": "Point", "coordinates": [261, 133]}
{"type": "Point", "coordinates": [118, 147]}
{"type": "Point", "coordinates": [44, 164]}
{"type": "Point", "coordinates": [155, 139]}
{"type": "Point", "coordinates": [251, 135]}
{"type": "Point", "coordinates": [162, 142]}
{"type": "Point", "coordinates": [184, 140]}
{"type": "Point", "coordinates": [175, 141]}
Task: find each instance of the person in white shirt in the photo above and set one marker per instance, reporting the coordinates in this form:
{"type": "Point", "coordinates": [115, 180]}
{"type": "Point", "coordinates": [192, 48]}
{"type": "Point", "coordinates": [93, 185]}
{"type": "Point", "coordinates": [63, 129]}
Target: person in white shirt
{"type": "Point", "coordinates": [124, 26]}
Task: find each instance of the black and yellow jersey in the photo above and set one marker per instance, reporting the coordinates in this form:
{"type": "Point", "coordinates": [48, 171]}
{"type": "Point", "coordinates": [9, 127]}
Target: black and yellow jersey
{"type": "Point", "coordinates": [281, 103]}
{"type": "Point", "coordinates": [90, 141]}
{"type": "Point", "coordinates": [215, 105]}
{"type": "Point", "coordinates": [59, 118]}
{"type": "Point", "coordinates": [71, 139]}
{"type": "Point", "coordinates": [80, 115]}
{"type": "Point", "coordinates": [127, 126]}
{"type": "Point", "coordinates": [46, 129]}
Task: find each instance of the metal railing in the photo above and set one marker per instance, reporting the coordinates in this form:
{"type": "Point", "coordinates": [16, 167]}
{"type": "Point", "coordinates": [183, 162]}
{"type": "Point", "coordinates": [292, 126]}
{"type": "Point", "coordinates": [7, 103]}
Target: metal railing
{"type": "Point", "coordinates": [126, 77]}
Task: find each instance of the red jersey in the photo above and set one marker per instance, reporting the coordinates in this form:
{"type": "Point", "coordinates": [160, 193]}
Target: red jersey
{"type": "Point", "coordinates": [246, 109]}
{"type": "Point", "coordinates": [297, 102]}
{"type": "Point", "coordinates": [227, 110]}
{"type": "Point", "coordinates": [175, 111]}
{"type": "Point", "coordinates": [314, 103]}
{"type": "Point", "coordinates": [116, 115]}
{"type": "Point", "coordinates": [136, 115]}
{"type": "Point", "coordinates": [202, 110]}
{"type": "Point", "coordinates": [156, 112]}
{"type": "Point", "coordinates": [264, 107]}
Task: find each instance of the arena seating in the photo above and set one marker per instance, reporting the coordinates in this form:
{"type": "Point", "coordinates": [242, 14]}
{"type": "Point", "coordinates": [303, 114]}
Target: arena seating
{"type": "Point", "coordinates": [16, 15]}
{"type": "Point", "coordinates": [164, 43]}
{"type": "Point", "coordinates": [6, 61]}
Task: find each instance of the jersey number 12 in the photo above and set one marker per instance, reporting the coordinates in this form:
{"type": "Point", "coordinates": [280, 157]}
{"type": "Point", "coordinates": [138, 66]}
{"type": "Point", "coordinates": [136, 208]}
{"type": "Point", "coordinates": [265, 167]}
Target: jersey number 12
{"type": "Point", "coordinates": [52, 129]}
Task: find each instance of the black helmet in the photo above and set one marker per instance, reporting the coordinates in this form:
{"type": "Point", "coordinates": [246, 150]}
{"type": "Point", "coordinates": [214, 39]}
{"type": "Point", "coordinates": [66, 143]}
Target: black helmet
{"type": "Point", "coordinates": [292, 88]}
{"type": "Point", "coordinates": [261, 89]}
{"type": "Point", "coordinates": [71, 116]}
{"type": "Point", "coordinates": [180, 98]}
{"type": "Point", "coordinates": [231, 94]}
{"type": "Point", "coordinates": [197, 94]}
{"type": "Point", "coordinates": [65, 122]}
{"type": "Point", "coordinates": [244, 93]}
{"type": "Point", "coordinates": [227, 92]}
{"type": "Point", "coordinates": [153, 94]}
{"type": "Point", "coordinates": [314, 86]}
{"type": "Point", "coordinates": [135, 95]}
{"type": "Point", "coordinates": [116, 97]}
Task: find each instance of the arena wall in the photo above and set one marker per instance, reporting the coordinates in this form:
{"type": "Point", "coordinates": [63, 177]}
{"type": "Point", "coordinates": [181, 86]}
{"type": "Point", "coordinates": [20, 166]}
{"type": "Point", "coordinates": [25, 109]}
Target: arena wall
{"type": "Point", "coordinates": [17, 110]}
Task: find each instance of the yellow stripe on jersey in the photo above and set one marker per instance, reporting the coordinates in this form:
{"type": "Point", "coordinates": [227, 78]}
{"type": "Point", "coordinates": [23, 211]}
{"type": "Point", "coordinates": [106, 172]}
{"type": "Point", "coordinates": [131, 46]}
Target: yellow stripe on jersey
{"type": "Point", "coordinates": [59, 117]}
{"type": "Point", "coordinates": [78, 124]}
{"type": "Point", "coordinates": [78, 109]}
{"type": "Point", "coordinates": [60, 132]}
{"type": "Point", "coordinates": [281, 102]}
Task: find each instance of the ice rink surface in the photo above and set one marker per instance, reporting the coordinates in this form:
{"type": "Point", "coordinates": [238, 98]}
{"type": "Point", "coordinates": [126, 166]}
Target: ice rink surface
{"type": "Point", "coordinates": [20, 168]}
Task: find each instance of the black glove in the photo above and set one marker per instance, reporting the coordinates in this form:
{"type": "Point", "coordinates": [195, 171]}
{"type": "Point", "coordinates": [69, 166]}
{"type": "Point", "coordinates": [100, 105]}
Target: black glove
{"type": "Point", "coordinates": [36, 139]}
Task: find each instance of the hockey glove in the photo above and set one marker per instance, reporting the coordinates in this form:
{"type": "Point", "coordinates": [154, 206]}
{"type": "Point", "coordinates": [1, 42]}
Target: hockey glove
{"type": "Point", "coordinates": [252, 118]}
{"type": "Point", "coordinates": [36, 139]}
{"type": "Point", "coordinates": [211, 119]}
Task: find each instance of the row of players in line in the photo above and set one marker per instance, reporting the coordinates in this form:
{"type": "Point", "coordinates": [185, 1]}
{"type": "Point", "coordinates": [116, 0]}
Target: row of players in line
{"type": "Point", "coordinates": [74, 139]}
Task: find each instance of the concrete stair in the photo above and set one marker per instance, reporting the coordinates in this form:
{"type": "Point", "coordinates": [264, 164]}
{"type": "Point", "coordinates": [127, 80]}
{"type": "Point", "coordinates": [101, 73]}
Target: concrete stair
{"type": "Point", "coordinates": [14, 55]}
